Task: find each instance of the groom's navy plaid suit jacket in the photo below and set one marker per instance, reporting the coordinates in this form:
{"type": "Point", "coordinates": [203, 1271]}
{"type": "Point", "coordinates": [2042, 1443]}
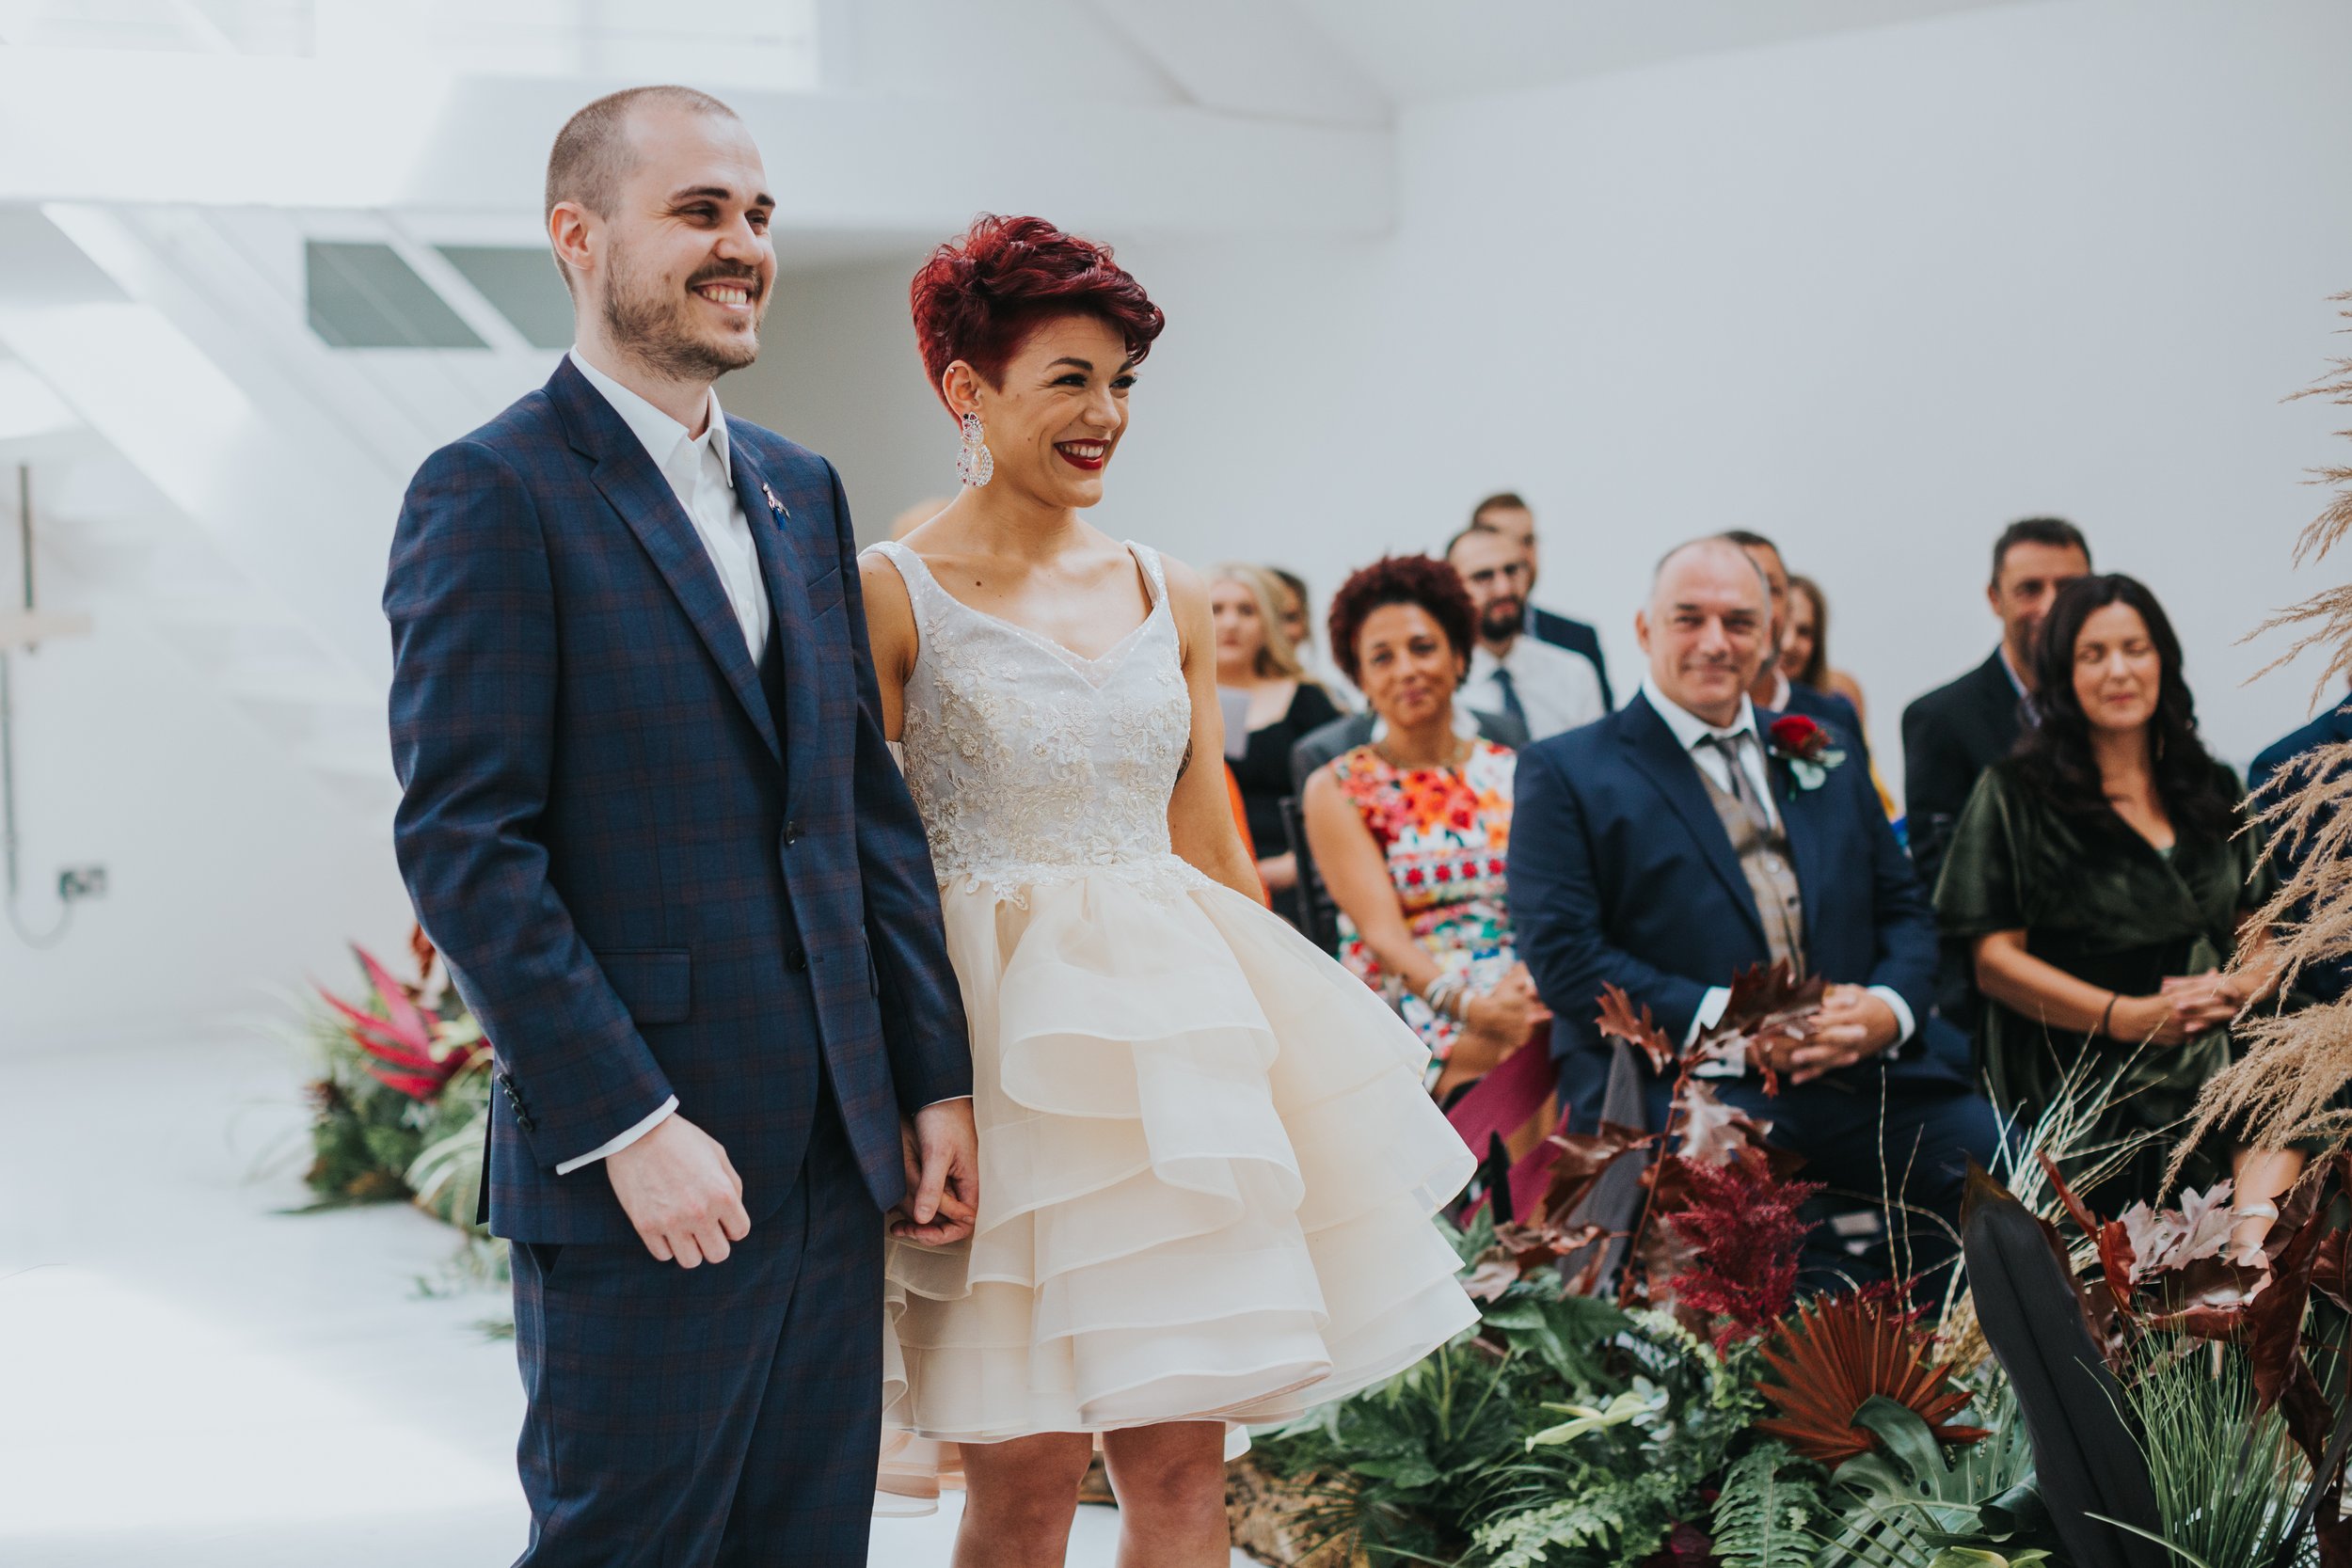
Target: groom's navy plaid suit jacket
{"type": "Point", "coordinates": [645, 881]}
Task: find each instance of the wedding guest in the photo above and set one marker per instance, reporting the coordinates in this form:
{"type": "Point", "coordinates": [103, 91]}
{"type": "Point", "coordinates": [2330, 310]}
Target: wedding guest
{"type": "Point", "coordinates": [1298, 620]}
{"type": "Point", "coordinates": [1669, 847]}
{"type": "Point", "coordinates": [1804, 646]}
{"type": "Point", "coordinates": [1772, 690]}
{"type": "Point", "coordinates": [1954, 732]}
{"type": "Point", "coordinates": [1409, 832]}
{"type": "Point", "coordinates": [1258, 669]}
{"type": "Point", "coordinates": [1805, 658]}
{"type": "Point", "coordinates": [1544, 687]}
{"type": "Point", "coordinates": [1506, 514]}
{"type": "Point", "coordinates": [2102, 879]}
{"type": "Point", "coordinates": [2284, 766]}
{"type": "Point", "coordinates": [1957, 731]}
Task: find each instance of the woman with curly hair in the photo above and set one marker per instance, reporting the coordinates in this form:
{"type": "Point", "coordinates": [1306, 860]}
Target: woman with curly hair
{"type": "Point", "coordinates": [1410, 830]}
{"type": "Point", "coordinates": [1207, 1166]}
{"type": "Point", "coordinates": [2104, 876]}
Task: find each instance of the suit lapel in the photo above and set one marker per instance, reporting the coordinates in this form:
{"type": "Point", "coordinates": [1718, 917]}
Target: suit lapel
{"type": "Point", "coordinates": [781, 569]}
{"type": "Point", "coordinates": [1800, 822]}
{"type": "Point", "coordinates": [625, 475]}
{"type": "Point", "coordinates": [1654, 751]}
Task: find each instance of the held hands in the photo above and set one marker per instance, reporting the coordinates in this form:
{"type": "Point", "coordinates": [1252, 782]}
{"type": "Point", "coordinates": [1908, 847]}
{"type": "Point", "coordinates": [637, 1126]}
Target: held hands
{"type": "Point", "coordinates": [1851, 1025]}
{"type": "Point", "coordinates": [1504, 1016]}
{"type": "Point", "coordinates": [681, 1193]}
{"type": "Point", "coordinates": [2186, 1006]}
{"type": "Point", "coordinates": [941, 1151]}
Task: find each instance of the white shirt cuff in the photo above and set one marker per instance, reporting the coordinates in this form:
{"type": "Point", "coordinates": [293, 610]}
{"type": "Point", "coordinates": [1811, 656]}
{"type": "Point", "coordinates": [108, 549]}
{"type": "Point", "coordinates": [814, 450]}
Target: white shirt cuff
{"type": "Point", "coordinates": [1904, 1023]}
{"type": "Point", "coordinates": [669, 1107]}
{"type": "Point", "coordinates": [949, 1100]}
{"type": "Point", "coordinates": [1710, 1013]}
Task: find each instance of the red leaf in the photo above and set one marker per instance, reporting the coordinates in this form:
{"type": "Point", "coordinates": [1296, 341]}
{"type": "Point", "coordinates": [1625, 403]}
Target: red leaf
{"type": "Point", "coordinates": [1582, 1159]}
{"type": "Point", "coordinates": [372, 1035]}
{"type": "Point", "coordinates": [410, 1025]}
{"type": "Point", "coordinates": [2274, 1321]}
{"type": "Point", "coordinates": [2075, 1209]}
{"type": "Point", "coordinates": [2115, 1262]}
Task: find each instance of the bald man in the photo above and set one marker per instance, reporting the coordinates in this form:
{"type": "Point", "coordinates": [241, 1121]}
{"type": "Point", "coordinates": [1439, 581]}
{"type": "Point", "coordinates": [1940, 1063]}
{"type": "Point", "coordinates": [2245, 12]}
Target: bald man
{"type": "Point", "coordinates": [1667, 848]}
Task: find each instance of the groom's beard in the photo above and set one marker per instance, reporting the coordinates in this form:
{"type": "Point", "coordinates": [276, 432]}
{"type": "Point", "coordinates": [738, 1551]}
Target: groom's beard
{"type": "Point", "coordinates": [652, 325]}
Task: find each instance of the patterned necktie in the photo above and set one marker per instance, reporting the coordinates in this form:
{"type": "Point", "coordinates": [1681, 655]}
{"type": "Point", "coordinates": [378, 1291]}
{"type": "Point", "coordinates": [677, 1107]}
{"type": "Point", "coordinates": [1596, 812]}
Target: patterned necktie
{"type": "Point", "coordinates": [1511, 706]}
{"type": "Point", "coordinates": [1732, 746]}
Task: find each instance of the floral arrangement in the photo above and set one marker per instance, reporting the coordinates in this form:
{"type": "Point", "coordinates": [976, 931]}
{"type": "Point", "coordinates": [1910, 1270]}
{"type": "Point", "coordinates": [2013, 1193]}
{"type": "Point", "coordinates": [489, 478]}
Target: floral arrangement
{"type": "Point", "coordinates": [403, 1096]}
{"type": "Point", "coordinates": [1659, 1395]}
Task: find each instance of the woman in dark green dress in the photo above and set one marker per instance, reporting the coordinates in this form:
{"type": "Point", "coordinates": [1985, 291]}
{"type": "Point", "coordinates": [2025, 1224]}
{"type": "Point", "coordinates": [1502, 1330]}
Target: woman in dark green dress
{"type": "Point", "coordinates": [2102, 879]}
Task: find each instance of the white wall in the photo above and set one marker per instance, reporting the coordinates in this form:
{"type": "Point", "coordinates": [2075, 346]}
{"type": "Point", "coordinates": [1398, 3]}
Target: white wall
{"type": "Point", "coordinates": [1875, 294]}
{"type": "Point", "coordinates": [234, 874]}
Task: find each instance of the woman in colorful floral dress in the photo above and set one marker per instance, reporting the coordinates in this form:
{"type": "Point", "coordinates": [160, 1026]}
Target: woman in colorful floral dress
{"type": "Point", "coordinates": [1410, 830]}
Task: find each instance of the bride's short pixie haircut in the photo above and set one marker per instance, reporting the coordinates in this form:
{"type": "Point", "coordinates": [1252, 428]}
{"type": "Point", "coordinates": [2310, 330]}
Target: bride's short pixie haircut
{"type": "Point", "coordinates": [976, 298]}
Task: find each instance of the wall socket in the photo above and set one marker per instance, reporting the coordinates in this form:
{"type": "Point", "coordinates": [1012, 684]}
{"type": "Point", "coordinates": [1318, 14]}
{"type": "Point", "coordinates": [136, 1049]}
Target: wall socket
{"type": "Point", "coordinates": [79, 883]}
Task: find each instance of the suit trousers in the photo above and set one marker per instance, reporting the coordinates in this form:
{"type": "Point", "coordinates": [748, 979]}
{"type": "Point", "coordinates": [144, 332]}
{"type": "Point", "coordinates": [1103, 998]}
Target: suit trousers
{"type": "Point", "coordinates": [722, 1417]}
{"type": "Point", "coordinates": [1901, 1147]}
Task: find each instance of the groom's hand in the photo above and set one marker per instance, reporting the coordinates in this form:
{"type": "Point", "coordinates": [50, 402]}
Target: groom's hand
{"type": "Point", "coordinates": [681, 1193]}
{"type": "Point", "coordinates": [943, 1157]}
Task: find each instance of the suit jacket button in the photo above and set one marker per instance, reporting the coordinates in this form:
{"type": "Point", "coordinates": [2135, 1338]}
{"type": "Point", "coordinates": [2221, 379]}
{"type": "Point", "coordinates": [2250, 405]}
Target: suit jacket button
{"type": "Point", "coordinates": [796, 961]}
{"type": "Point", "coordinates": [791, 833]}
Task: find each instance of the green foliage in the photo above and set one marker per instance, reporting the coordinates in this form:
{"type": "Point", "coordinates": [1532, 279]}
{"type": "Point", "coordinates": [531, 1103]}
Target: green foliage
{"type": "Point", "coordinates": [1768, 1511]}
{"type": "Point", "coordinates": [1909, 1499]}
{"type": "Point", "coordinates": [1620, 1522]}
{"type": "Point", "coordinates": [2227, 1483]}
{"type": "Point", "coordinates": [369, 1142]}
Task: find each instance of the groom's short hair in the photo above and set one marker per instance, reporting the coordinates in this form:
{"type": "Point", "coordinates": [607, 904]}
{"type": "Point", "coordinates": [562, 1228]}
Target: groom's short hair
{"type": "Point", "coordinates": [590, 155]}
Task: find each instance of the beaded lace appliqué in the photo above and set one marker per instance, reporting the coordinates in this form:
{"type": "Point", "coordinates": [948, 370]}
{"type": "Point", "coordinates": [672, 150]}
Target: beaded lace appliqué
{"type": "Point", "coordinates": [1033, 766]}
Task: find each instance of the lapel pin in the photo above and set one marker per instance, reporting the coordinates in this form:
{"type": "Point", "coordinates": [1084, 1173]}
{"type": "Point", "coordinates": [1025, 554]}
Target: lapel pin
{"type": "Point", "coordinates": [773, 505]}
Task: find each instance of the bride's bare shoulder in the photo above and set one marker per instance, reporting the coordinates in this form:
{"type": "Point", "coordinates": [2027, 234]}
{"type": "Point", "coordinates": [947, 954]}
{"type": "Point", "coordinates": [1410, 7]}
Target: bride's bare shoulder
{"type": "Point", "coordinates": [1186, 589]}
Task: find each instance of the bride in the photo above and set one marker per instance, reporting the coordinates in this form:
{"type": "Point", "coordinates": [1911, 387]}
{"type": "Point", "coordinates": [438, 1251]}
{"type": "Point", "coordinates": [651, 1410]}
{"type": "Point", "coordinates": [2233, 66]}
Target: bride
{"type": "Point", "coordinates": [1207, 1164]}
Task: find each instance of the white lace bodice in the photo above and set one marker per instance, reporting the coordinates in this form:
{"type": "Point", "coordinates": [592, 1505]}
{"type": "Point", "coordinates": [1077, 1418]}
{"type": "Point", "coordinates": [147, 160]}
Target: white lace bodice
{"type": "Point", "coordinates": [1031, 765]}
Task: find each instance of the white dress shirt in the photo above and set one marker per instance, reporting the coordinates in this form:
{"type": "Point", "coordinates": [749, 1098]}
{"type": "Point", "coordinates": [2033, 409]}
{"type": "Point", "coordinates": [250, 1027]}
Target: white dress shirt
{"type": "Point", "coordinates": [1692, 732]}
{"type": "Point", "coordinates": [699, 471]}
{"type": "Point", "coordinates": [1558, 690]}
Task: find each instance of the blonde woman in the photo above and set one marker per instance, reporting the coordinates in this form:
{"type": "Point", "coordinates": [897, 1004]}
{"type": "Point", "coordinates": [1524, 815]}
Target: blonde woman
{"type": "Point", "coordinates": [1270, 702]}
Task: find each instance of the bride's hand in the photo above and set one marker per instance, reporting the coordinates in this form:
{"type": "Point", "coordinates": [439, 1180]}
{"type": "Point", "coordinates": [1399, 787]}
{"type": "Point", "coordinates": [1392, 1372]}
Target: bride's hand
{"type": "Point", "coordinates": [941, 1151]}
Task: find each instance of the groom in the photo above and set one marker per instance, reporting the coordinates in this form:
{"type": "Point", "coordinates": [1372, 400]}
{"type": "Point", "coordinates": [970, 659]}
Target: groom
{"type": "Point", "coordinates": [650, 820]}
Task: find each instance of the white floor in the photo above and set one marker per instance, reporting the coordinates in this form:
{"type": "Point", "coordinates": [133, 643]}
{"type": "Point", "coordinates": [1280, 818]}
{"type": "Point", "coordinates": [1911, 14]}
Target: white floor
{"type": "Point", "coordinates": [191, 1376]}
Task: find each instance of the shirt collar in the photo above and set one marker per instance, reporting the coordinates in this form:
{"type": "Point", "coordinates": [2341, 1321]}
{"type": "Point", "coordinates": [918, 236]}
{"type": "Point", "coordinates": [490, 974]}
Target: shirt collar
{"type": "Point", "coordinates": [1780, 692]}
{"type": "Point", "coordinates": [660, 434]}
{"type": "Point", "coordinates": [1688, 728]}
{"type": "Point", "coordinates": [2010, 670]}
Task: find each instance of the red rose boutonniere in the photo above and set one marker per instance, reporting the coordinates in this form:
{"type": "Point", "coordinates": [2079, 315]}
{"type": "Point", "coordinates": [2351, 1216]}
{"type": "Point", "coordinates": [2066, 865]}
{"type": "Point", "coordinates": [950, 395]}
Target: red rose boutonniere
{"type": "Point", "coordinates": [1804, 746]}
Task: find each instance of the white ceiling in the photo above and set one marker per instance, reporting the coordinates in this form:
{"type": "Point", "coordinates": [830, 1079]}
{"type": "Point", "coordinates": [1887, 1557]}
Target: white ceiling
{"type": "Point", "coordinates": [1418, 50]}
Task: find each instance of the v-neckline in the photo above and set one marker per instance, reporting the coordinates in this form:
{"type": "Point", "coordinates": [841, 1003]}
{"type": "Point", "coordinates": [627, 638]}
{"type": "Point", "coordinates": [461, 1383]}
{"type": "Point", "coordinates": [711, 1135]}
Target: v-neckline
{"type": "Point", "coordinates": [1080, 665]}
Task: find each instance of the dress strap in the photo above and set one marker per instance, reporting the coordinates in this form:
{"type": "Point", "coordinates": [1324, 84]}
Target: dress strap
{"type": "Point", "coordinates": [919, 582]}
{"type": "Point", "coordinates": [1149, 559]}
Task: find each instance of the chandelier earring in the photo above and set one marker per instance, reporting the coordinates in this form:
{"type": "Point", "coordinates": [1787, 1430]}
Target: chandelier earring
{"type": "Point", "coordinates": [974, 464]}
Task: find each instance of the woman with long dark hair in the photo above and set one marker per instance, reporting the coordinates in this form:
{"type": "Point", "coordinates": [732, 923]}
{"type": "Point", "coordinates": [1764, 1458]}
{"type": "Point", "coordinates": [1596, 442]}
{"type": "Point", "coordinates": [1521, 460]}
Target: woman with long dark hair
{"type": "Point", "coordinates": [2102, 878]}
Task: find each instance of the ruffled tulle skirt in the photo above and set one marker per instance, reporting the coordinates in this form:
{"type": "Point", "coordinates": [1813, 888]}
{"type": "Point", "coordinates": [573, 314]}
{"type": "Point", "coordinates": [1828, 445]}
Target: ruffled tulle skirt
{"type": "Point", "coordinates": [1207, 1172]}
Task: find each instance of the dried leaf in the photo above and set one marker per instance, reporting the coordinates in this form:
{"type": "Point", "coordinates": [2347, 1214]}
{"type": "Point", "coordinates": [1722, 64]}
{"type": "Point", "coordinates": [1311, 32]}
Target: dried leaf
{"type": "Point", "coordinates": [1582, 1159]}
{"type": "Point", "coordinates": [1618, 1021]}
{"type": "Point", "coordinates": [2274, 1322]}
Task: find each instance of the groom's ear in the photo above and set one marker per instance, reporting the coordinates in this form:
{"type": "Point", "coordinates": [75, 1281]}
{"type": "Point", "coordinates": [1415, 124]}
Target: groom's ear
{"type": "Point", "coordinates": [572, 236]}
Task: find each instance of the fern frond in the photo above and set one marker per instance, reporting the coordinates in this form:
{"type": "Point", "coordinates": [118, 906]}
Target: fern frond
{"type": "Point", "coordinates": [1765, 1515]}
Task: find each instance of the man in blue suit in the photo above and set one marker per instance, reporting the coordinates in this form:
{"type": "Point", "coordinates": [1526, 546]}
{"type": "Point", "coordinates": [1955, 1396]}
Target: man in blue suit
{"type": "Point", "coordinates": [1668, 846]}
{"type": "Point", "coordinates": [649, 819]}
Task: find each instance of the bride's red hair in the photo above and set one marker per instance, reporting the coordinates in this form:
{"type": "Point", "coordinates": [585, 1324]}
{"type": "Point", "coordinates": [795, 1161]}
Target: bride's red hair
{"type": "Point", "coordinates": [976, 298]}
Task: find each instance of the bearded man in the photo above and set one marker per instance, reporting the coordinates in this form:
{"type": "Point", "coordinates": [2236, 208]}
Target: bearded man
{"type": "Point", "coordinates": [649, 819]}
